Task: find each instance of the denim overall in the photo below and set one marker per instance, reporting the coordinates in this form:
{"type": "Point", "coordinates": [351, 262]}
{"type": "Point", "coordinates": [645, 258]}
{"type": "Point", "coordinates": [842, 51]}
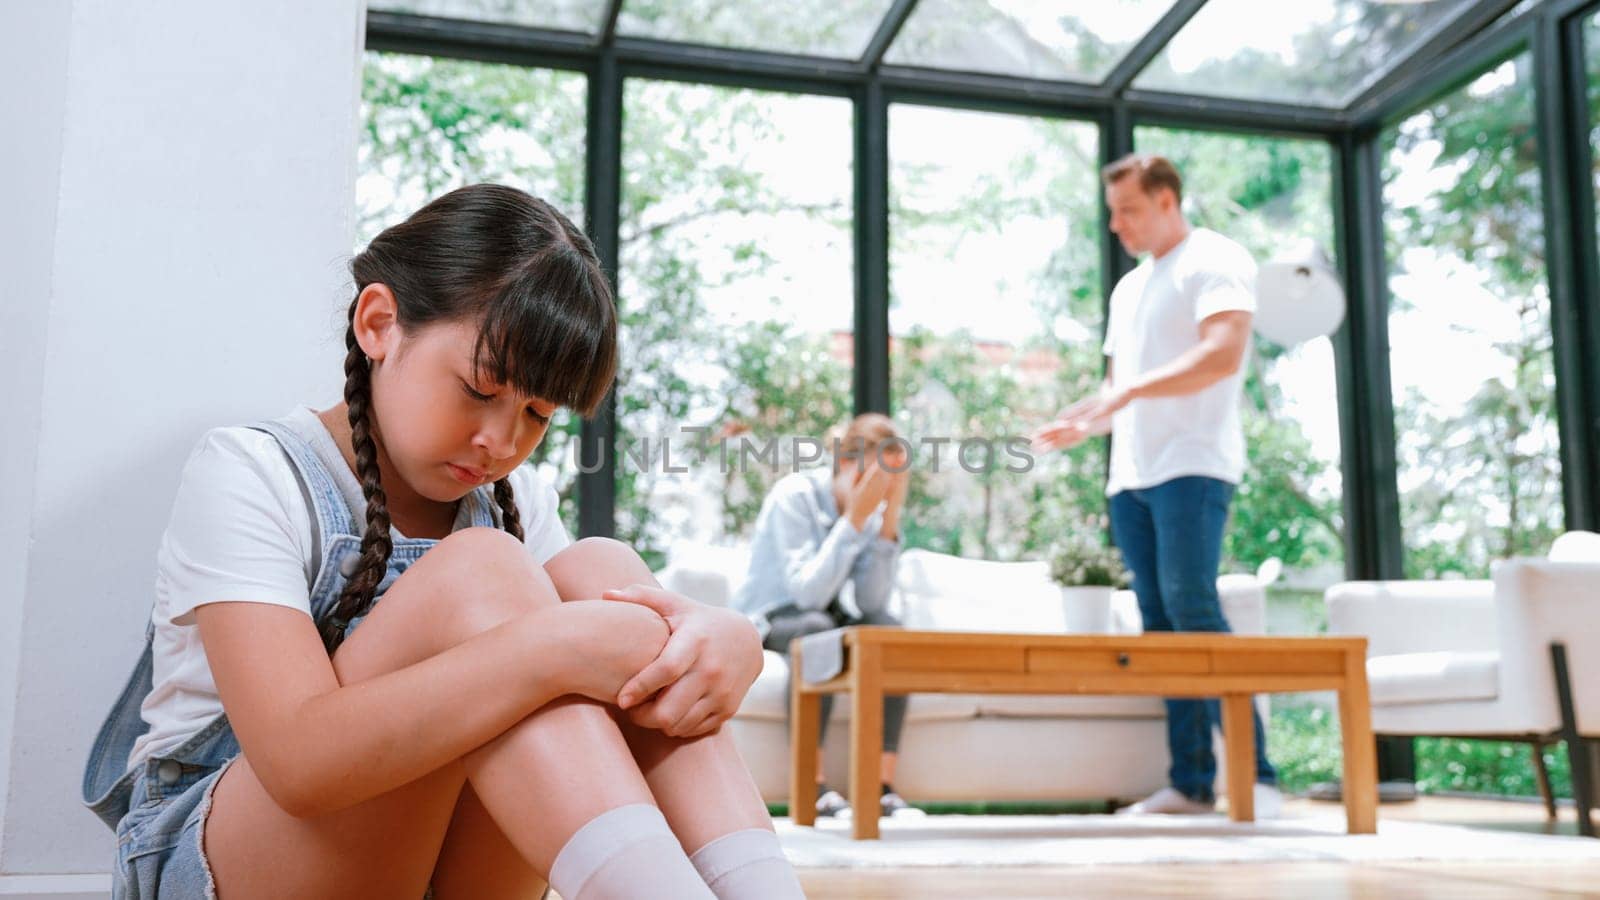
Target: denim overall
{"type": "Point", "coordinates": [158, 810]}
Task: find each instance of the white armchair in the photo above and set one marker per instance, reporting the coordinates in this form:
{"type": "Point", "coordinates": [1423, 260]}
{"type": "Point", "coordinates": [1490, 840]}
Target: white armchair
{"type": "Point", "coordinates": [1512, 658]}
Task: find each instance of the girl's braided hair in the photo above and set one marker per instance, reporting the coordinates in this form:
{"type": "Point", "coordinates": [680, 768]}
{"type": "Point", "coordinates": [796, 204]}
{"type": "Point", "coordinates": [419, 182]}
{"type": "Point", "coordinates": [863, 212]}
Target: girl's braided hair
{"type": "Point", "coordinates": [547, 327]}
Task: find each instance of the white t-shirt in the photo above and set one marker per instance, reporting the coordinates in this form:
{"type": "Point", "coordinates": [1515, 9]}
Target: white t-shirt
{"type": "Point", "coordinates": [240, 531]}
{"type": "Point", "coordinates": [1155, 317]}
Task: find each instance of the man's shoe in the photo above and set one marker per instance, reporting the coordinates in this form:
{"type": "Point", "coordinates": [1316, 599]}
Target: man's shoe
{"type": "Point", "coordinates": [831, 803]}
{"type": "Point", "coordinates": [1268, 802]}
{"type": "Point", "coordinates": [1168, 802]}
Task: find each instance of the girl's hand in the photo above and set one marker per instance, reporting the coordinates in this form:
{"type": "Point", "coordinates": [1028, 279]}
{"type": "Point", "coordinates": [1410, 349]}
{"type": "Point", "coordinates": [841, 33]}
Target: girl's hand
{"type": "Point", "coordinates": [609, 643]}
{"type": "Point", "coordinates": [712, 657]}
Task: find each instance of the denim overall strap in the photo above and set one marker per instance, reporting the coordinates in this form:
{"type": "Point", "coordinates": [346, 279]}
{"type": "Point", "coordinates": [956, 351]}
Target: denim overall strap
{"type": "Point", "coordinates": [340, 541]}
{"type": "Point", "coordinates": [343, 554]}
{"type": "Point", "coordinates": [330, 515]}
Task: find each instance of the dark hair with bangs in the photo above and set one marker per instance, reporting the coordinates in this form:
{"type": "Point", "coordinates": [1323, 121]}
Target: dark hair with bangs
{"type": "Point", "coordinates": [547, 328]}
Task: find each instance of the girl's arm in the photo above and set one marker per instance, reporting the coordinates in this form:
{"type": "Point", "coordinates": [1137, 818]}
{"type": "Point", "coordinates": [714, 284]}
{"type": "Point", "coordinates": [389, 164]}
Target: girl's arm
{"type": "Point", "coordinates": [320, 746]}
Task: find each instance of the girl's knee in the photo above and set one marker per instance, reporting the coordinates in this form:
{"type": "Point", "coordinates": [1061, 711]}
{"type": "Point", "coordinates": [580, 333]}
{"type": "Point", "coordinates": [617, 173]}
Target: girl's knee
{"type": "Point", "coordinates": [487, 577]}
{"type": "Point", "coordinates": [593, 565]}
{"type": "Point", "coordinates": [601, 551]}
{"type": "Point", "coordinates": [480, 545]}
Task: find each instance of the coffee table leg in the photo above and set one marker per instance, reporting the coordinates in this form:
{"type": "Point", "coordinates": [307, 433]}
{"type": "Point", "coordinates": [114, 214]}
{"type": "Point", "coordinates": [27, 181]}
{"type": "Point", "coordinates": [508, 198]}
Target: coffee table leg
{"type": "Point", "coordinates": [1239, 740]}
{"type": "Point", "coordinates": [1360, 753]}
{"type": "Point", "coordinates": [805, 721]}
{"type": "Point", "coordinates": [866, 740]}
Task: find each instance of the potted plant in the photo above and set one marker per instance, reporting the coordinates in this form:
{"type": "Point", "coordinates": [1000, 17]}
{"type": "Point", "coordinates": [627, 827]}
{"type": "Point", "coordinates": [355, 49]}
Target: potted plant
{"type": "Point", "coordinates": [1088, 572]}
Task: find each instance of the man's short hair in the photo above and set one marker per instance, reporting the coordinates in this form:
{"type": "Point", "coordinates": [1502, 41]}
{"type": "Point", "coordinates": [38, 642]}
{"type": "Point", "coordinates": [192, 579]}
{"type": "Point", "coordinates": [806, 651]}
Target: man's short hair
{"type": "Point", "coordinates": [1154, 173]}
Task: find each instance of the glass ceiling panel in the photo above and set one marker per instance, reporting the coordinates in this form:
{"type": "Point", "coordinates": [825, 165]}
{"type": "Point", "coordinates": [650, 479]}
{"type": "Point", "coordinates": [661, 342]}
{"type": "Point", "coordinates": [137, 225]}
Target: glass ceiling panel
{"type": "Point", "coordinates": [1319, 52]}
{"type": "Point", "coordinates": [1072, 40]}
{"type": "Point", "coordinates": [835, 28]}
{"type": "Point", "coordinates": [560, 15]}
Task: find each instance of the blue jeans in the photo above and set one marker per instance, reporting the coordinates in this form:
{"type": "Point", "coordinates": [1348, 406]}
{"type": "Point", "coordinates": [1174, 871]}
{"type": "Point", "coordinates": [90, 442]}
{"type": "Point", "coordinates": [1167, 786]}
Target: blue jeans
{"type": "Point", "coordinates": [1170, 536]}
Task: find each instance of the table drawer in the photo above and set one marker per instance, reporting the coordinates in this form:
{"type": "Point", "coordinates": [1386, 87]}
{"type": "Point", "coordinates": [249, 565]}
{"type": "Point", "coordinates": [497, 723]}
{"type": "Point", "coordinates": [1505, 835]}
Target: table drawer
{"type": "Point", "coordinates": [1279, 662]}
{"type": "Point", "coordinates": [911, 658]}
{"type": "Point", "coordinates": [1102, 661]}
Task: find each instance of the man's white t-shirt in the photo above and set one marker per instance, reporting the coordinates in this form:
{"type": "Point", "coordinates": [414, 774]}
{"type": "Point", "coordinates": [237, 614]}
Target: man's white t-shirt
{"type": "Point", "coordinates": [240, 531]}
{"type": "Point", "coordinates": [1155, 317]}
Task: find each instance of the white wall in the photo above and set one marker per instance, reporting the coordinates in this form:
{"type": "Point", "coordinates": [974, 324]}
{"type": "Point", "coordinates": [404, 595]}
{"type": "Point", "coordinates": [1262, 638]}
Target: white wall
{"type": "Point", "coordinates": [33, 65]}
{"type": "Point", "coordinates": [174, 260]}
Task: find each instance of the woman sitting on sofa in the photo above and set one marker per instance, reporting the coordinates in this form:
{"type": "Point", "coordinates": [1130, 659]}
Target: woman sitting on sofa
{"type": "Point", "coordinates": [817, 531]}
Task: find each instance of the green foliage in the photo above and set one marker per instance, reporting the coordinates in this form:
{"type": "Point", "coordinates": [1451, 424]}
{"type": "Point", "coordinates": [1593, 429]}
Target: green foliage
{"type": "Point", "coordinates": [693, 196]}
{"type": "Point", "coordinates": [1488, 767]}
{"type": "Point", "coordinates": [1481, 480]}
{"type": "Point", "coordinates": [435, 124]}
{"type": "Point", "coordinates": [1303, 743]}
{"type": "Point", "coordinates": [1278, 510]}
{"type": "Point", "coordinates": [803, 392]}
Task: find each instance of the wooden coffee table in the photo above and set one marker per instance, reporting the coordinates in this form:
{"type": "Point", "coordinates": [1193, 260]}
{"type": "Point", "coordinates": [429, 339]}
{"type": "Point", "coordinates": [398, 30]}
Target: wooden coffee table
{"type": "Point", "coordinates": [1232, 668]}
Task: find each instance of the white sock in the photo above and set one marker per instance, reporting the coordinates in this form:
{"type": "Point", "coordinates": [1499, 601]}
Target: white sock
{"type": "Point", "coordinates": [626, 853]}
{"type": "Point", "coordinates": [747, 865]}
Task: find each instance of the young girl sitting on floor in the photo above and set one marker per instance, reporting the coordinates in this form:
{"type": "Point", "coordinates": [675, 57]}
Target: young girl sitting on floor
{"type": "Point", "coordinates": [361, 678]}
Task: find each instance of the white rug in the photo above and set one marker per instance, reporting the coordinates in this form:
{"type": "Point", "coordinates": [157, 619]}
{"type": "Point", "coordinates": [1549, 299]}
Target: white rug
{"type": "Point", "coordinates": [1082, 840]}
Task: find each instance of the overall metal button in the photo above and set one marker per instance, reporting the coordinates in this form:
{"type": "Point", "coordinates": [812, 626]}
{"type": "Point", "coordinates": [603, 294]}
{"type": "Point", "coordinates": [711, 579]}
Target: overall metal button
{"type": "Point", "coordinates": [169, 771]}
{"type": "Point", "coordinates": [347, 566]}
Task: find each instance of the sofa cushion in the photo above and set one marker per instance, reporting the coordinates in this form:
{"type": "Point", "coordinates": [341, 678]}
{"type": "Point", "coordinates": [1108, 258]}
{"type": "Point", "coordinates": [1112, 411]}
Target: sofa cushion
{"type": "Point", "coordinates": [769, 698]}
{"type": "Point", "coordinates": [706, 572]}
{"type": "Point", "coordinates": [1433, 677]}
{"type": "Point", "coordinates": [948, 593]}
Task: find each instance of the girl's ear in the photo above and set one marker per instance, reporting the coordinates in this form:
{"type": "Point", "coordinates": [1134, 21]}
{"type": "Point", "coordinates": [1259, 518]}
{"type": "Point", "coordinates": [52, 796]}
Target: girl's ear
{"type": "Point", "coordinates": [377, 321]}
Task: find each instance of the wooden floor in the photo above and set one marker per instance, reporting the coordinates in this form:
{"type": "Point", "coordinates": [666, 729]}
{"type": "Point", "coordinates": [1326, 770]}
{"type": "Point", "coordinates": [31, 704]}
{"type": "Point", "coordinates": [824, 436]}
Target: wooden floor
{"type": "Point", "coordinates": [1298, 881]}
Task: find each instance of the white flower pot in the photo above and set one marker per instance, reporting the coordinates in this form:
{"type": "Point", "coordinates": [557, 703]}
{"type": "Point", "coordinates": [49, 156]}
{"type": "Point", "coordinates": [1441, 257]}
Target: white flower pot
{"type": "Point", "coordinates": [1087, 609]}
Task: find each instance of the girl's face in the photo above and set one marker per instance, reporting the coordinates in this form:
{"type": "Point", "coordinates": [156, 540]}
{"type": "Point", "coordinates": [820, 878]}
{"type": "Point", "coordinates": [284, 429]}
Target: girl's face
{"type": "Point", "coordinates": [444, 429]}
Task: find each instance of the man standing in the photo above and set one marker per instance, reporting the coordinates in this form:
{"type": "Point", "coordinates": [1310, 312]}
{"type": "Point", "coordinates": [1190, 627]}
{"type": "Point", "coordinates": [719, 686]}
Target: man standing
{"type": "Point", "coordinates": [1176, 340]}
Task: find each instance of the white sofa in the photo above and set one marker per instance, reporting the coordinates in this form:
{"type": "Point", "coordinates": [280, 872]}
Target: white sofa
{"type": "Point", "coordinates": [1465, 658]}
{"type": "Point", "coordinates": [959, 747]}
